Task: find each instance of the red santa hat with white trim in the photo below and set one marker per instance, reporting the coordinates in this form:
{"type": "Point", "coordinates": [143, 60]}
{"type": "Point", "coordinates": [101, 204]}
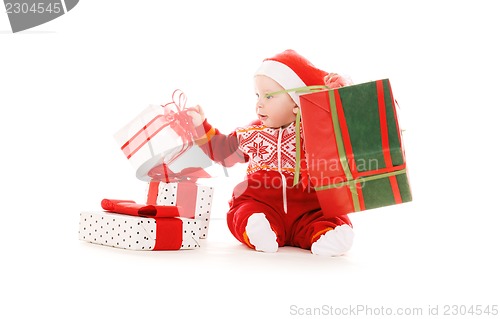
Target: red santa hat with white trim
{"type": "Point", "coordinates": [291, 70]}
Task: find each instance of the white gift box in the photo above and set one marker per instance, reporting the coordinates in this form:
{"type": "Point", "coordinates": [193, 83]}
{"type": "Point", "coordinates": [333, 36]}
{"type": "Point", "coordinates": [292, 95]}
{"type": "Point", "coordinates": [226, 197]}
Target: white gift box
{"type": "Point", "coordinates": [138, 233]}
{"type": "Point", "coordinates": [194, 200]}
{"type": "Point", "coordinates": [150, 140]}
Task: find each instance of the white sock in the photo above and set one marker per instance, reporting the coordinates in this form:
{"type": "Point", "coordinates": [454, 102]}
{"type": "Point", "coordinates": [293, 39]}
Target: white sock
{"type": "Point", "coordinates": [260, 234]}
{"type": "Point", "coordinates": [334, 242]}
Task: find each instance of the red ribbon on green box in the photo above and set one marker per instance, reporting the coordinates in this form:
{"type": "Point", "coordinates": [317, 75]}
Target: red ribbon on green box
{"type": "Point", "coordinates": [346, 129]}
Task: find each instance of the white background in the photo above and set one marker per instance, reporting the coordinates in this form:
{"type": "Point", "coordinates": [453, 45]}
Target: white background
{"type": "Point", "coordinates": [67, 86]}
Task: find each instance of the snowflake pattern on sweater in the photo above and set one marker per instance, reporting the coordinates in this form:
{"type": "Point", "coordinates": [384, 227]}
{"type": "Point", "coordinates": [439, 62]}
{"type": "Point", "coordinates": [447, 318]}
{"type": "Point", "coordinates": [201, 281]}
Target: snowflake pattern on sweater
{"type": "Point", "coordinates": [261, 144]}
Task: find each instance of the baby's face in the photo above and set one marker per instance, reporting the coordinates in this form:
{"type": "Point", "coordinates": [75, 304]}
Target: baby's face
{"type": "Point", "coordinates": [277, 110]}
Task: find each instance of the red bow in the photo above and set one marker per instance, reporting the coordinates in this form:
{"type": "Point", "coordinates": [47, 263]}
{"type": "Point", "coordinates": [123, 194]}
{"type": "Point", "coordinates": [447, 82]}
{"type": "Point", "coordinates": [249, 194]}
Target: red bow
{"type": "Point", "coordinates": [180, 121]}
{"type": "Point", "coordinates": [164, 174]}
{"type": "Point", "coordinates": [176, 118]}
{"type": "Point", "coordinates": [179, 115]}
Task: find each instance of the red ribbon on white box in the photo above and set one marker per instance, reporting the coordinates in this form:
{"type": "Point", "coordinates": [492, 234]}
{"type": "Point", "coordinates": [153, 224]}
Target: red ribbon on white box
{"type": "Point", "coordinates": [164, 174]}
{"type": "Point", "coordinates": [178, 120]}
{"type": "Point", "coordinates": [185, 199]}
{"type": "Point", "coordinates": [168, 234]}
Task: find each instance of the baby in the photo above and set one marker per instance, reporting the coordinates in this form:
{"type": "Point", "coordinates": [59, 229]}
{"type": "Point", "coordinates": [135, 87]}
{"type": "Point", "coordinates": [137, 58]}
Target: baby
{"type": "Point", "coordinates": [266, 210]}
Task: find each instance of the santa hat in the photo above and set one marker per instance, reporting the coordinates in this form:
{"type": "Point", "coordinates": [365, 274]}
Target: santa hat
{"type": "Point", "coordinates": [291, 70]}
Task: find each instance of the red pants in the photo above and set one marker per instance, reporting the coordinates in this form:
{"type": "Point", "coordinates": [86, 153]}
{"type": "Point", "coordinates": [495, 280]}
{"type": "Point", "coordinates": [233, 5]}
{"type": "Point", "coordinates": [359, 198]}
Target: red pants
{"type": "Point", "coordinates": [302, 223]}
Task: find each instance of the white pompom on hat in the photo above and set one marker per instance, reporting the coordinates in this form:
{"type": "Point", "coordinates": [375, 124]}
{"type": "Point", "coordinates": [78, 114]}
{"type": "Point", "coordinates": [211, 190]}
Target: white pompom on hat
{"type": "Point", "coordinates": [291, 70]}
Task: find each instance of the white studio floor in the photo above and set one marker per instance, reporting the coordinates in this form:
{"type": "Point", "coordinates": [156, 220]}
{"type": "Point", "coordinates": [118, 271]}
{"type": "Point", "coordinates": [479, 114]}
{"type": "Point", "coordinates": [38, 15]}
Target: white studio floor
{"type": "Point", "coordinates": [404, 257]}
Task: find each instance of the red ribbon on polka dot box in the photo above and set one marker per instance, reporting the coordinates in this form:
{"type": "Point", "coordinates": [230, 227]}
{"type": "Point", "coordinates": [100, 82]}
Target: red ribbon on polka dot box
{"type": "Point", "coordinates": [193, 200]}
{"type": "Point", "coordinates": [139, 233]}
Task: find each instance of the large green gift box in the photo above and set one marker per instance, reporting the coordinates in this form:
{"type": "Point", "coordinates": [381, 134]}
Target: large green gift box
{"type": "Point", "coordinates": [354, 150]}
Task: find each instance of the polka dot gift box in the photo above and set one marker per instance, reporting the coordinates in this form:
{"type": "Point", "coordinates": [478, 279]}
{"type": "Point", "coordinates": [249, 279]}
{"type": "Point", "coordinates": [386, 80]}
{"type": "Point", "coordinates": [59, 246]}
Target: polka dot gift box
{"type": "Point", "coordinates": [193, 200]}
{"type": "Point", "coordinates": [139, 233]}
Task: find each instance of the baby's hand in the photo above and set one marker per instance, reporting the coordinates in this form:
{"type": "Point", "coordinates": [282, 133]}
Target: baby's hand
{"type": "Point", "coordinates": [334, 80]}
{"type": "Point", "coordinates": [196, 114]}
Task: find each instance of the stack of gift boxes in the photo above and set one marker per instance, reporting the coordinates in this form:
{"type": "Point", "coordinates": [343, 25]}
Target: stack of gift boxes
{"type": "Point", "coordinates": [175, 214]}
{"type": "Point", "coordinates": [160, 224]}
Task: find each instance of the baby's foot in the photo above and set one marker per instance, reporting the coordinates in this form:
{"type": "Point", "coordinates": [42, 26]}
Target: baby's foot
{"type": "Point", "coordinates": [260, 233]}
{"type": "Point", "coordinates": [334, 242]}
